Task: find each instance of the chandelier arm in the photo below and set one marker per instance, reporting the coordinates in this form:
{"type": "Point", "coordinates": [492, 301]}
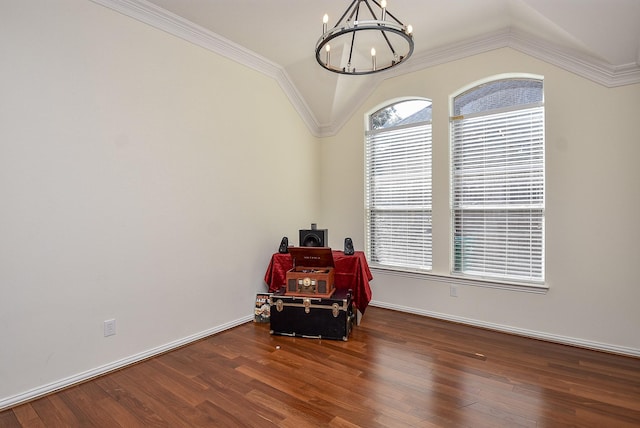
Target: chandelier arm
{"type": "Point", "coordinates": [345, 13]}
{"type": "Point", "coordinates": [384, 34]}
{"type": "Point", "coordinates": [355, 11]}
{"type": "Point", "coordinates": [394, 18]}
{"type": "Point", "coordinates": [353, 40]}
{"type": "Point", "coordinates": [373, 14]}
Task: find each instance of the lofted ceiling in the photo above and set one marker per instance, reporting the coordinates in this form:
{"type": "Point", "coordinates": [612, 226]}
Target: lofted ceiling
{"type": "Point", "coordinates": [598, 39]}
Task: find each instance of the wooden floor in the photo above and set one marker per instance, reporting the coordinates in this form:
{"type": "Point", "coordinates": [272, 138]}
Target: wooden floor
{"type": "Point", "coordinates": [396, 370]}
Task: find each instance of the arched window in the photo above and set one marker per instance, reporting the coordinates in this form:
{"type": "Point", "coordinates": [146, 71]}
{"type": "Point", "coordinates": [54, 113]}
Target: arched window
{"type": "Point", "coordinates": [398, 186]}
{"type": "Point", "coordinates": [497, 180]}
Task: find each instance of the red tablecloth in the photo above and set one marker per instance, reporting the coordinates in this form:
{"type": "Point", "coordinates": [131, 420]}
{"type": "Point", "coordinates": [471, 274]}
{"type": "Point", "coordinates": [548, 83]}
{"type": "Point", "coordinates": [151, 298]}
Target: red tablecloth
{"type": "Point", "coordinates": [350, 272]}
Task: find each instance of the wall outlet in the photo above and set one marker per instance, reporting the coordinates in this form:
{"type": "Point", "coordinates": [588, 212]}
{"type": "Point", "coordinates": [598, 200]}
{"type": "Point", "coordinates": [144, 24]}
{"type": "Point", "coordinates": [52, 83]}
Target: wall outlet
{"type": "Point", "coordinates": [453, 290]}
{"type": "Point", "coordinates": [109, 327]}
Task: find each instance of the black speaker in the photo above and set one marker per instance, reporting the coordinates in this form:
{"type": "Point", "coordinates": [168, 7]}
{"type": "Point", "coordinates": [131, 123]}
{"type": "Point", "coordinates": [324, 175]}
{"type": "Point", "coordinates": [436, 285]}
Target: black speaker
{"type": "Point", "coordinates": [314, 238]}
{"type": "Point", "coordinates": [348, 247]}
{"type": "Point", "coordinates": [284, 246]}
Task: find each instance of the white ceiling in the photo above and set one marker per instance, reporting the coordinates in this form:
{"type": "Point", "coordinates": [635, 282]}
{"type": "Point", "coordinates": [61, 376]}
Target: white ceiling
{"type": "Point", "coordinates": [599, 39]}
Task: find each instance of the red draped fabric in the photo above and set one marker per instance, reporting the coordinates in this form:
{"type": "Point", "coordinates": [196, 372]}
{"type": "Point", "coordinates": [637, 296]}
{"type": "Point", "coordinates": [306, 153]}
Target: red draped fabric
{"type": "Point", "coordinates": [351, 272]}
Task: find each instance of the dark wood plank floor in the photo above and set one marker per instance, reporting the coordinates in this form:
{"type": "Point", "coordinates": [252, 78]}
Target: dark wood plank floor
{"type": "Point", "coordinates": [396, 370]}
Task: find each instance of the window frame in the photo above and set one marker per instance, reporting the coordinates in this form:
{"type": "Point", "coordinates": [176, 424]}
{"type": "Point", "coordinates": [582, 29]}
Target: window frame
{"type": "Point", "coordinates": [369, 245]}
{"type": "Point", "coordinates": [442, 250]}
{"type": "Point", "coordinates": [492, 278]}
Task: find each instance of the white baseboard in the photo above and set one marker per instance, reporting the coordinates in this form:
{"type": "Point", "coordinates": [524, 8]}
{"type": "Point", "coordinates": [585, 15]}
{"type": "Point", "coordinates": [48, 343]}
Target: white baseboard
{"type": "Point", "coordinates": [40, 391]}
{"type": "Point", "coordinates": [564, 340]}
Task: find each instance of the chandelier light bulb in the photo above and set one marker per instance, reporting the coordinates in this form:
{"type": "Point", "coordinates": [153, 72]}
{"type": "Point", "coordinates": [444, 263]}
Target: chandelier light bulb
{"type": "Point", "coordinates": [373, 59]}
{"type": "Point", "coordinates": [409, 29]}
{"type": "Point", "coordinates": [325, 19]}
{"type": "Point", "coordinates": [328, 50]}
{"type": "Point", "coordinates": [383, 5]}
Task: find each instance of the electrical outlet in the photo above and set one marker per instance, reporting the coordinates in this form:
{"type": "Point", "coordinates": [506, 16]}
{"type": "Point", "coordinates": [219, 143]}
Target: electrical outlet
{"type": "Point", "coordinates": [453, 290]}
{"type": "Point", "coordinates": [109, 327]}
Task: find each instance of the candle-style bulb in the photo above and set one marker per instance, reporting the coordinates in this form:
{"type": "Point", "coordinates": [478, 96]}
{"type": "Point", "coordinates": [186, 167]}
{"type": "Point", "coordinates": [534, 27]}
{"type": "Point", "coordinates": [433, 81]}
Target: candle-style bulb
{"type": "Point", "coordinates": [409, 29]}
{"type": "Point", "coordinates": [327, 48]}
{"type": "Point", "coordinates": [325, 19]}
{"type": "Point", "coordinates": [383, 5]}
{"type": "Point", "coordinates": [373, 58]}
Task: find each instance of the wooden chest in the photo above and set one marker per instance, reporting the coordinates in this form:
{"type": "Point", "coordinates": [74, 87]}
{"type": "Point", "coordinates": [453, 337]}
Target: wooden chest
{"type": "Point", "coordinates": [312, 317]}
{"type": "Point", "coordinates": [312, 274]}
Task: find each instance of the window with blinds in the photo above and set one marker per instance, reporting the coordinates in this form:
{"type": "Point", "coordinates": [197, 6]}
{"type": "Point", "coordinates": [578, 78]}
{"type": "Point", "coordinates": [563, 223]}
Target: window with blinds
{"type": "Point", "coordinates": [497, 181]}
{"type": "Point", "coordinates": [398, 186]}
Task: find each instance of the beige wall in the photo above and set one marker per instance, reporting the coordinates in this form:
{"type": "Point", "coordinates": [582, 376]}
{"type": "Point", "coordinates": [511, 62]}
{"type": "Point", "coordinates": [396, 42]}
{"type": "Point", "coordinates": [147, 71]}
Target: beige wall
{"type": "Point", "coordinates": [141, 179]}
{"type": "Point", "coordinates": [592, 207]}
{"type": "Point", "coordinates": [148, 180]}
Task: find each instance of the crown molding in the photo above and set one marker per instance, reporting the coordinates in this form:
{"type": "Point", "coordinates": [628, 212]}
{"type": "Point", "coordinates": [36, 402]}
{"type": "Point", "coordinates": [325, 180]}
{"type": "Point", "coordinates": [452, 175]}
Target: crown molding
{"type": "Point", "coordinates": [588, 67]}
{"type": "Point", "coordinates": [585, 66]}
{"type": "Point", "coordinates": [175, 25]}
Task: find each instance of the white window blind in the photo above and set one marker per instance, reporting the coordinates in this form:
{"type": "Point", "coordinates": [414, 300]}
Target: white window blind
{"type": "Point", "coordinates": [398, 196]}
{"type": "Point", "coordinates": [497, 188]}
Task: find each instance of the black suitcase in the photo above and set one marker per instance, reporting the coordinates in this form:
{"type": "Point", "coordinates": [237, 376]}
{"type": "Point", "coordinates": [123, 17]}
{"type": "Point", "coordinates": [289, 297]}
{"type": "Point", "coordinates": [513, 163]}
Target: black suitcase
{"type": "Point", "coordinates": [313, 317]}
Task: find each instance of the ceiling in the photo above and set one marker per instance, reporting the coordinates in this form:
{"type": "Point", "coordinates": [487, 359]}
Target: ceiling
{"type": "Point", "coordinates": [599, 39]}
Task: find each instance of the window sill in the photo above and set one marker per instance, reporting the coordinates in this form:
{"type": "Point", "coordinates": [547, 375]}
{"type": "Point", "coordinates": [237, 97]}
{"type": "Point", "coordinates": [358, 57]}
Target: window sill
{"type": "Point", "coordinates": [459, 280]}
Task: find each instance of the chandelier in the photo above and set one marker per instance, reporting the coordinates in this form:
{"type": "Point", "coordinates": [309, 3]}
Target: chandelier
{"type": "Point", "coordinates": [366, 39]}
